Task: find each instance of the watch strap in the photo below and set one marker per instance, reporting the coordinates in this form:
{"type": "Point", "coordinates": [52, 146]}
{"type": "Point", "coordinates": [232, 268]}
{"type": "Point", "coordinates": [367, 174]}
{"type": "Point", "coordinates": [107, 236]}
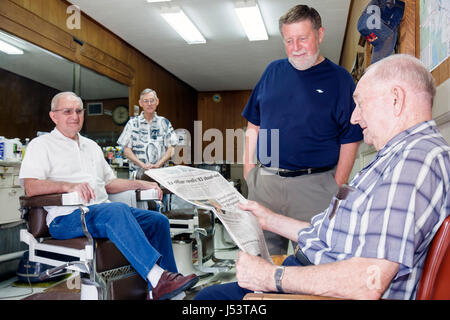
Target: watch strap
{"type": "Point", "coordinates": [279, 271]}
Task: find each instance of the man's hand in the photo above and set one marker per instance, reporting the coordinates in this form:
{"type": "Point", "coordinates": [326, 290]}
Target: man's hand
{"type": "Point", "coordinates": [151, 166]}
{"type": "Point", "coordinates": [255, 273]}
{"type": "Point", "coordinates": [145, 185]}
{"type": "Point", "coordinates": [83, 189]}
{"type": "Point", "coordinates": [261, 212]}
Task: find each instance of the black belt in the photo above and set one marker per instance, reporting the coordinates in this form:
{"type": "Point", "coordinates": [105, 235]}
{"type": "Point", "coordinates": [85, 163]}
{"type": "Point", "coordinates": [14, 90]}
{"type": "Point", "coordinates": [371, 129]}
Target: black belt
{"type": "Point", "coordinates": [300, 256]}
{"type": "Point", "coordinates": [294, 173]}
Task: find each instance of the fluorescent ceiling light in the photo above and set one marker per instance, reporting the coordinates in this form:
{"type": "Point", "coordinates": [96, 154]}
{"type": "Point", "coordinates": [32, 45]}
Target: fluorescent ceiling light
{"type": "Point", "coordinates": [150, 1]}
{"type": "Point", "coordinates": [9, 49]}
{"type": "Point", "coordinates": [251, 20]}
{"type": "Point", "coordinates": [181, 23]}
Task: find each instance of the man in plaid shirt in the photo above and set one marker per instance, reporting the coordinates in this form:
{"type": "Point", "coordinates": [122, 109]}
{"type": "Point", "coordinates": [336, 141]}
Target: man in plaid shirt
{"type": "Point", "coordinates": [372, 240]}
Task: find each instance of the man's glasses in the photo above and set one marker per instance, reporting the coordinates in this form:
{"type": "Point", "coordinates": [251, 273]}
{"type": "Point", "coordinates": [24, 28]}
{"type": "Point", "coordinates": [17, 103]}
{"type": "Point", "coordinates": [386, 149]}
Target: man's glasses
{"type": "Point", "coordinates": [151, 101]}
{"type": "Point", "coordinates": [70, 111]}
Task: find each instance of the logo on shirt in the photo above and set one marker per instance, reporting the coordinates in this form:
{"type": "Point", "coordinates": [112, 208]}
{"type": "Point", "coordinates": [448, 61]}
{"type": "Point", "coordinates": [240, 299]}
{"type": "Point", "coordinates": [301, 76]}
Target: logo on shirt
{"type": "Point", "coordinates": [319, 90]}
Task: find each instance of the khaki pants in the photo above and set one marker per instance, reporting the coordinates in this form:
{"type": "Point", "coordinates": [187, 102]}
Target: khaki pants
{"type": "Point", "coordinates": [299, 197]}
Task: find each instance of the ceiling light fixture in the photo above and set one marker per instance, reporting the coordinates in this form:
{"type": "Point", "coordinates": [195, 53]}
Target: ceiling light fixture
{"type": "Point", "coordinates": [251, 20]}
{"type": "Point", "coordinates": [9, 49]}
{"type": "Point", "coordinates": [181, 23]}
{"type": "Point", "coordinates": [150, 1]}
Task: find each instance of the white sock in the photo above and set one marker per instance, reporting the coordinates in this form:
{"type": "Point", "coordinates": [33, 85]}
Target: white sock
{"type": "Point", "coordinates": [154, 275]}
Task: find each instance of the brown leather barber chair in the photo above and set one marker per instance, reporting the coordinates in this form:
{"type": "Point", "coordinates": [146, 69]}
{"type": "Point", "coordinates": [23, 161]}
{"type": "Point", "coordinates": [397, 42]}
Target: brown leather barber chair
{"type": "Point", "coordinates": [105, 273]}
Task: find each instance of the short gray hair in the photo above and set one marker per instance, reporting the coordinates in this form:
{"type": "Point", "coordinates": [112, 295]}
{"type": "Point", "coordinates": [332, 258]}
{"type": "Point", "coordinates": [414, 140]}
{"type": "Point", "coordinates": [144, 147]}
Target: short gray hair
{"type": "Point", "coordinates": [55, 100]}
{"type": "Point", "coordinates": [145, 91]}
{"type": "Point", "coordinates": [300, 13]}
{"type": "Point", "coordinates": [407, 69]}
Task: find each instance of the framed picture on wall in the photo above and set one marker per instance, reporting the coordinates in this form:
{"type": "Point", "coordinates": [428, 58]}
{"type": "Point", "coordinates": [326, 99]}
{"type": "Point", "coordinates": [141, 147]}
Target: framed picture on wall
{"type": "Point", "coordinates": [94, 108]}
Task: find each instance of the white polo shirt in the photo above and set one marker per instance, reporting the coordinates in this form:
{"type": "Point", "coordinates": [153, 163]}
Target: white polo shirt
{"type": "Point", "coordinates": [58, 158]}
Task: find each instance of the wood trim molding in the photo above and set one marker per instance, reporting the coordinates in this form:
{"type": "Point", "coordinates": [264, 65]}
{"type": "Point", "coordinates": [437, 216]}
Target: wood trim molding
{"type": "Point", "coordinates": [25, 24]}
{"type": "Point", "coordinates": [407, 29]}
{"type": "Point", "coordinates": [100, 57]}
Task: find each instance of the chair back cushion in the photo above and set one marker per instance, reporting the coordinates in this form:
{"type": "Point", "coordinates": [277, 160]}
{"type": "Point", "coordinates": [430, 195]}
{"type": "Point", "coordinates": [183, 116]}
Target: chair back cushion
{"type": "Point", "coordinates": [435, 279]}
{"type": "Point", "coordinates": [37, 224]}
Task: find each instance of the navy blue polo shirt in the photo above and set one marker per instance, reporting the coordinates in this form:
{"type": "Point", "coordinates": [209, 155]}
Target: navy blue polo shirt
{"type": "Point", "coordinates": [310, 111]}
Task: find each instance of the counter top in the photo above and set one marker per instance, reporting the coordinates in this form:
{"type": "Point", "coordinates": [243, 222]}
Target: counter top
{"type": "Point", "coordinates": [10, 163]}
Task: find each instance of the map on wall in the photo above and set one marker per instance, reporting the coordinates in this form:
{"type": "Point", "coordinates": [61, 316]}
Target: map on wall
{"type": "Point", "coordinates": [434, 32]}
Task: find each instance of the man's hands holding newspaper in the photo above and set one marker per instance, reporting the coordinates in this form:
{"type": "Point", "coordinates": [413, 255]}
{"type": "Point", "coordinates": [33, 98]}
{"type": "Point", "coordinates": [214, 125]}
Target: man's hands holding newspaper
{"type": "Point", "coordinates": [252, 272]}
{"type": "Point", "coordinates": [259, 211]}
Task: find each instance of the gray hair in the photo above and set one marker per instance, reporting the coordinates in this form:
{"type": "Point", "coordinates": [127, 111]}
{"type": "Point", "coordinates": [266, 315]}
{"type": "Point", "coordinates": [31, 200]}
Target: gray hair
{"type": "Point", "coordinates": [145, 91]}
{"type": "Point", "coordinates": [300, 13]}
{"type": "Point", "coordinates": [406, 69]}
{"type": "Point", "coordinates": [55, 100]}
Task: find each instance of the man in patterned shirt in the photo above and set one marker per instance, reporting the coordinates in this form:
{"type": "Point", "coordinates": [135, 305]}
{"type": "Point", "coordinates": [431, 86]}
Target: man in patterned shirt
{"type": "Point", "coordinates": [148, 139]}
{"type": "Point", "coordinates": [372, 240]}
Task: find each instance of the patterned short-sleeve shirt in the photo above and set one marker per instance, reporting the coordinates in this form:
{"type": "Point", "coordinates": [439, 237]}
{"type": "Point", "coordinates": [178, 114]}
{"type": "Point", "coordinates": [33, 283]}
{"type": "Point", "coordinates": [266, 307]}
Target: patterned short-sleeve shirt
{"type": "Point", "coordinates": [149, 141]}
{"type": "Point", "coordinates": [398, 203]}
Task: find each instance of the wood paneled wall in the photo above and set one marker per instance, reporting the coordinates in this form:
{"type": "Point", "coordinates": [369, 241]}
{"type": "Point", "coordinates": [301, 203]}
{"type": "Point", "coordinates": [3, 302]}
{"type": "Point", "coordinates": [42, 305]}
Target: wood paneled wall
{"type": "Point", "coordinates": [222, 115]}
{"type": "Point", "coordinates": [24, 106]}
{"type": "Point", "coordinates": [43, 22]}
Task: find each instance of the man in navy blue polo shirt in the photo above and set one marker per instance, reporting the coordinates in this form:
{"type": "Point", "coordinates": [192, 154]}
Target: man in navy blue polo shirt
{"type": "Point", "coordinates": [299, 126]}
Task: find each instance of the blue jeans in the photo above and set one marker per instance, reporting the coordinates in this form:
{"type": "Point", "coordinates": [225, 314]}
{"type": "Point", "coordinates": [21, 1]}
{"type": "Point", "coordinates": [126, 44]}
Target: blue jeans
{"type": "Point", "coordinates": [142, 236]}
{"type": "Point", "coordinates": [232, 291]}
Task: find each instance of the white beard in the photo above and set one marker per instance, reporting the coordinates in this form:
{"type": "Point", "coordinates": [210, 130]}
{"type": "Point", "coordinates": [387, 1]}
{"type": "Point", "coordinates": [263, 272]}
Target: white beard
{"type": "Point", "coordinates": [304, 62]}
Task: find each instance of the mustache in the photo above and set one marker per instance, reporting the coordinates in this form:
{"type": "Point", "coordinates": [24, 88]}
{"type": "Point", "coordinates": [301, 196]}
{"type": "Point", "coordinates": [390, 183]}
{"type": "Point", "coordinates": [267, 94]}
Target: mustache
{"type": "Point", "coordinates": [298, 53]}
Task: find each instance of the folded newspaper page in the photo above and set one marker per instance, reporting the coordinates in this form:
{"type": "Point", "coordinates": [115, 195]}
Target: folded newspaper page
{"type": "Point", "coordinates": [211, 191]}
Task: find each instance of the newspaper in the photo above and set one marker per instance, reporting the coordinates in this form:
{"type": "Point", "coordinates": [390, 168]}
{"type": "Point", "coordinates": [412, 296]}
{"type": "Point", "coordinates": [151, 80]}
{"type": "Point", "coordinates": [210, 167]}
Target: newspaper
{"type": "Point", "coordinates": [211, 191]}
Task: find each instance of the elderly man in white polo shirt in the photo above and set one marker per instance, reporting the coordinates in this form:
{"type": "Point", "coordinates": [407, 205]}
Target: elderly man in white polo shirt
{"type": "Point", "coordinates": [64, 161]}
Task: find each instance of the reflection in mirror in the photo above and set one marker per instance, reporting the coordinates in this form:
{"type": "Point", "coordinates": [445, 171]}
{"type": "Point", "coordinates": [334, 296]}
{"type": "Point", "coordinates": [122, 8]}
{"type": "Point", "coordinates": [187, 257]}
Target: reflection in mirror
{"type": "Point", "coordinates": [27, 84]}
{"type": "Point", "coordinates": [101, 95]}
{"type": "Point", "coordinates": [29, 81]}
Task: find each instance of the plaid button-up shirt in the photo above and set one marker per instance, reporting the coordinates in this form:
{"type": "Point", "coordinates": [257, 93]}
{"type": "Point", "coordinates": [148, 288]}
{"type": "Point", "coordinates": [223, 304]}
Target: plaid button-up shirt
{"type": "Point", "coordinates": [399, 202]}
{"type": "Point", "coordinates": [148, 141]}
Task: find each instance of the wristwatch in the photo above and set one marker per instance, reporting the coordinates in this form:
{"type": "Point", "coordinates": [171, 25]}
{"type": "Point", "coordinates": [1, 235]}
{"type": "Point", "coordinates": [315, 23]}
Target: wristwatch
{"type": "Point", "coordinates": [278, 276]}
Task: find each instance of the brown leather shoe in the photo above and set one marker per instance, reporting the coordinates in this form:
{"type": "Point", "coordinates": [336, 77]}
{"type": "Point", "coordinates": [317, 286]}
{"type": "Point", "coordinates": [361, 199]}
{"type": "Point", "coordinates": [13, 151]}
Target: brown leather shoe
{"type": "Point", "coordinates": [172, 284]}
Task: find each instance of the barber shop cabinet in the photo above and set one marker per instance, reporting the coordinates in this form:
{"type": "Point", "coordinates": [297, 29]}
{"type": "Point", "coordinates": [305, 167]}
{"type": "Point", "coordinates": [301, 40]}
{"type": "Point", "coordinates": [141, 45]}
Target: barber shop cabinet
{"type": "Point", "coordinates": [10, 191]}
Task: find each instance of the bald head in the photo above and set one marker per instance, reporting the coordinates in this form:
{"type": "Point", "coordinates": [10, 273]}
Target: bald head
{"type": "Point", "coordinates": [394, 94]}
{"type": "Point", "coordinates": [406, 71]}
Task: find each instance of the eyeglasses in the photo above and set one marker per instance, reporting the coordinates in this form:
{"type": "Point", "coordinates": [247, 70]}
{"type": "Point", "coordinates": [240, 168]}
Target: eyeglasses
{"type": "Point", "coordinates": [70, 111]}
{"type": "Point", "coordinates": [149, 101]}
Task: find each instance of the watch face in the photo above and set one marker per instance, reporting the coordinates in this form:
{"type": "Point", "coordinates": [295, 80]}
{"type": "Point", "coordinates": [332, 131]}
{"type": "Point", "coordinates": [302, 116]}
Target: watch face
{"type": "Point", "coordinates": [120, 115]}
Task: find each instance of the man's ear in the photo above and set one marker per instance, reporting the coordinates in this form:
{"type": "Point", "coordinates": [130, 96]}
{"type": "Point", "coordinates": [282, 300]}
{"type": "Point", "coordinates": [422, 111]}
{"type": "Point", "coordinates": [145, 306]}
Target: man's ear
{"type": "Point", "coordinates": [321, 33]}
{"type": "Point", "coordinates": [398, 100]}
{"type": "Point", "coordinates": [52, 116]}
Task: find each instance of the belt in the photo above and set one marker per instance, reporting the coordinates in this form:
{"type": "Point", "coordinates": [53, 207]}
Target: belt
{"type": "Point", "coordinates": [300, 256]}
{"type": "Point", "coordinates": [294, 173]}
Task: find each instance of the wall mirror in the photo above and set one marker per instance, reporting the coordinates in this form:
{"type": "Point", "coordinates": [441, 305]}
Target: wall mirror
{"type": "Point", "coordinates": [30, 79]}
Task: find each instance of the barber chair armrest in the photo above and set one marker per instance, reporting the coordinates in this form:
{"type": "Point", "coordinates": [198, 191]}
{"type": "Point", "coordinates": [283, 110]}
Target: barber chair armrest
{"type": "Point", "coordinates": [55, 199]}
{"type": "Point", "coordinates": [284, 296]}
{"type": "Point", "coordinates": [140, 175]}
{"type": "Point", "coordinates": [149, 194]}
